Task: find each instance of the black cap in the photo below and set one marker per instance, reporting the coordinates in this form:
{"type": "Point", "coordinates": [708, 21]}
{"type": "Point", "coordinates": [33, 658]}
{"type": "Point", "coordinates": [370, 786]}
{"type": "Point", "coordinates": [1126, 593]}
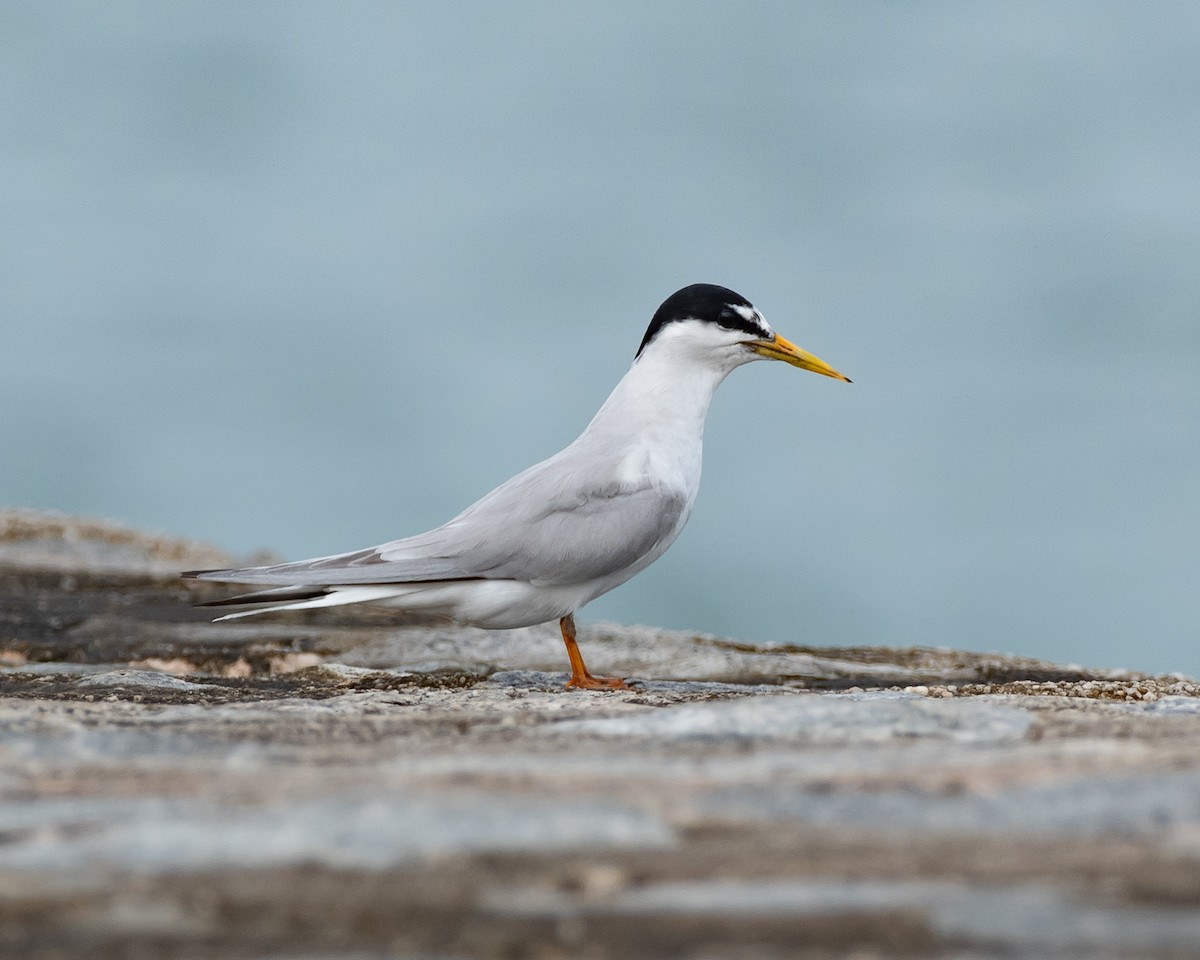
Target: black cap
{"type": "Point", "coordinates": [706, 302]}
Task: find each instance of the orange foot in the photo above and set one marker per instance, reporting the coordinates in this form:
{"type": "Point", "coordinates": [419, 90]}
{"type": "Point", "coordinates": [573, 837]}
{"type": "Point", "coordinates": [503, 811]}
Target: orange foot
{"type": "Point", "coordinates": [580, 678]}
{"type": "Point", "coordinates": [588, 682]}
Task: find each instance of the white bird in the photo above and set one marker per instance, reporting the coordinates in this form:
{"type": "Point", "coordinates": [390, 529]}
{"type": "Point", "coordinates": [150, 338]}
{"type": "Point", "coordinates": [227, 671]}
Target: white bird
{"type": "Point", "coordinates": [568, 529]}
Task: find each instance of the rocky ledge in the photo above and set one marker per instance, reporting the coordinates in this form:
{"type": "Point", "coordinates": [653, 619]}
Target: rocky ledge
{"type": "Point", "coordinates": [321, 788]}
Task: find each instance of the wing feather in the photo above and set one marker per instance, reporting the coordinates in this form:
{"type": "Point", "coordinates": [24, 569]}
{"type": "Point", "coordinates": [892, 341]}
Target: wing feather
{"type": "Point", "coordinates": [559, 522]}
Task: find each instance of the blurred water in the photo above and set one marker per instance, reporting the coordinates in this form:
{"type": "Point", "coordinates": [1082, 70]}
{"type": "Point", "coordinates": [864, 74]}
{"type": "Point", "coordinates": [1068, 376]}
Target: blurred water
{"type": "Point", "coordinates": [311, 276]}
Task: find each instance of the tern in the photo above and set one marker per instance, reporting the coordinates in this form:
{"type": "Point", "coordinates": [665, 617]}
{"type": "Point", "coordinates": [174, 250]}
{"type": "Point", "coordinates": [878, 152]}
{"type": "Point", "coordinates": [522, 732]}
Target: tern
{"type": "Point", "coordinates": [558, 535]}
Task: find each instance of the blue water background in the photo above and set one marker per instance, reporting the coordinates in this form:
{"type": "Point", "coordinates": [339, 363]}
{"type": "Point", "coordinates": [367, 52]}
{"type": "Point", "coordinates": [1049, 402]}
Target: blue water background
{"type": "Point", "coordinates": [309, 276]}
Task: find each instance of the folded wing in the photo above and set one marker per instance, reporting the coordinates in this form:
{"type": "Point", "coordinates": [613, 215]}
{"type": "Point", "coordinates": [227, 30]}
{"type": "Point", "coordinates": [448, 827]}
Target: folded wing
{"type": "Point", "coordinates": [545, 526]}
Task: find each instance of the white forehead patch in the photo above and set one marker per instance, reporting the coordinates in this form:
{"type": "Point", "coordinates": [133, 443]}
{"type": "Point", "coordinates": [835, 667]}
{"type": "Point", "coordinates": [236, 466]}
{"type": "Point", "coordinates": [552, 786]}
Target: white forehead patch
{"type": "Point", "coordinates": [752, 316]}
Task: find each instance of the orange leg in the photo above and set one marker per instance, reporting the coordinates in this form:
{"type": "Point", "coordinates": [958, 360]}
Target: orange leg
{"type": "Point", "coordinates": [580, 678]}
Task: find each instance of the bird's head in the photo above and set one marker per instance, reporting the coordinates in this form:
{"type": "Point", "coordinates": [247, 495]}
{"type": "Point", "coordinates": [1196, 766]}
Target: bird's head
{"type": "Point", "coordinates": [722, 328]}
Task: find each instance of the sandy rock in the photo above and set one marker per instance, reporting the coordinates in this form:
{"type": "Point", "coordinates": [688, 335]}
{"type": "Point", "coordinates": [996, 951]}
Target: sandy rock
{"type": "Point", "coordinates": [332, 788]}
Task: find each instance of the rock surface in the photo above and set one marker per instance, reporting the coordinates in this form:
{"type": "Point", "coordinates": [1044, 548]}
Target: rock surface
{"type": "Point", "coordinates": [306, 789]}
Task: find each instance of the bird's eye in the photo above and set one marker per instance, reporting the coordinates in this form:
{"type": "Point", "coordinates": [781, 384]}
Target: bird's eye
{"type": "Point", "coordinates": [727, 320]}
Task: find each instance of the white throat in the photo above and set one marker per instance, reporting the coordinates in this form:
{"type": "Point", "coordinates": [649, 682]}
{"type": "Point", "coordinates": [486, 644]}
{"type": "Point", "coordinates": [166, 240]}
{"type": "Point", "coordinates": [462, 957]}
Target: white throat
{"type": "Point", "coordinates": [653, 421]}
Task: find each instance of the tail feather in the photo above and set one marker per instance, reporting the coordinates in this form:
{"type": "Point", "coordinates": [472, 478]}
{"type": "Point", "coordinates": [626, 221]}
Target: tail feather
{"type": "Point", "coordinates": [301, 597]}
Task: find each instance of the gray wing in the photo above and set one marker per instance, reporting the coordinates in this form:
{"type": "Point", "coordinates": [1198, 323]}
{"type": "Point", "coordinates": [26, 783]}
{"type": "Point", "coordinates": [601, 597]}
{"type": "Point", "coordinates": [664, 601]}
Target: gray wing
{"type": "Point", "coordinates": [556, 523]}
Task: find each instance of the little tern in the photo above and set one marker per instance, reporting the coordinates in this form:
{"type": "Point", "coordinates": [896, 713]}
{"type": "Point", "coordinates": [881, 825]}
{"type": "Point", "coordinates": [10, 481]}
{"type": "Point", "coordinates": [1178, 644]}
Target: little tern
{"type": "Point", "coordinates": [568, 529]}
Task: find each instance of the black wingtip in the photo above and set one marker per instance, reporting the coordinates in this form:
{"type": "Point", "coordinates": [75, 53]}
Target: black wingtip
{"type": "Point", "coordinates": [274, 595]}
{"type": "Point", "coordinates": [228, 601]}
{"type": "Point", "coordinates": [212, 573]}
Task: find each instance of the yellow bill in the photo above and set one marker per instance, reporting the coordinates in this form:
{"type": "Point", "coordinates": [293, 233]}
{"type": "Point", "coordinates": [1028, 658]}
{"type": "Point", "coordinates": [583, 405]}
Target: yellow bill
{"type": "Point", "coordinates": [788, 352]}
